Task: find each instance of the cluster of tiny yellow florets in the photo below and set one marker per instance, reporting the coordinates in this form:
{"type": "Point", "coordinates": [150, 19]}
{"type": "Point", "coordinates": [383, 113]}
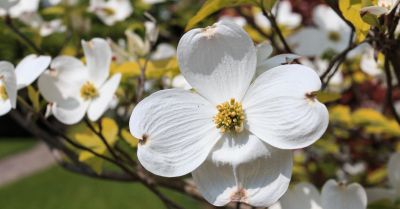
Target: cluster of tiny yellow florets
{"type": "Point", "coordinates": [230, 116]}
{"type": "Point", "coordinates": [3, 92]}
{"type": "Point", "coordinates": [89, 91]}
{"type": "Point", "coordinates": [334, 36]}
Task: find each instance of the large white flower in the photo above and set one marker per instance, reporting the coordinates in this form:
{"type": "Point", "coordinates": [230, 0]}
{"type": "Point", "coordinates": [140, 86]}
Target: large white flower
{"type": "Point", "coordinates": [26, 72]}
{"type": "Point", "coordinates": [74, 88]}
{"type": "Point", "coordinates": [227, 132]}
{"type": "Point", "coordinates": [331, 33]}
{"type": "Point", "coordinates": [111, 11]}
{"type": "Point", "coordinates": [392, 193]}
{"type": "Point", "coordinates": [333, 196]}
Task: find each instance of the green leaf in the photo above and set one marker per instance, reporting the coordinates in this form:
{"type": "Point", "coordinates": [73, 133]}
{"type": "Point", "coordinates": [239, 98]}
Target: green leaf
{"type": "Point", "coordinates": [351, 11]}
{"type": "Point", "coordinates": [34, 97]}
{"type": "Point", "coordinates": [326, 97]}
{"type": "Point", "coordinates": [269, 4]}
{"type": "Point", "coordinates": [211, 6]}
{"type": "Point", "coordinates": [55, 10]}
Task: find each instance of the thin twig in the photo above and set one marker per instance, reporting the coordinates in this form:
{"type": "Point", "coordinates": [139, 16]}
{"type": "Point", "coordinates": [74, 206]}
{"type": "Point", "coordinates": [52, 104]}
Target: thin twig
{"type": "Point", "coordinates": [275, 26]}
{"type": "Point", "coordinates": [389, 89]}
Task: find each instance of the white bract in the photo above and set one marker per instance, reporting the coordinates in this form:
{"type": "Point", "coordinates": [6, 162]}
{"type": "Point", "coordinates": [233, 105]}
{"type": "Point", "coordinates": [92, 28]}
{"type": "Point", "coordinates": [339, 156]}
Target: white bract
{"type": "Point", "coordinates": [5, 5]}
{"type": "Point", "coordinates": [331, 34]}
{"type": "Point", "coordinates": [333, 196]}
{"type": "Point", "coordinates": [74, 88]}
{"type": "Point", "coordinates": [111, 11]}
{"type": "Point", "coordinates": [135, 47]}
{"type": "Point", "coordinates": [393, 192]}
{"type": "Point", "coordinates": [285, 16]}
{"type": "Point", "coordinates": [26, 72]}
{"type": "Point", "coordinates": [45, 28]}
{"type": "Point", "coordinates": [23, 7]}
{"type": "Point", "coordinates": [230, 132]}
{"type": "Point", "coordinates": [382, 7]}
{"type": "Point", "coordinates": [371, 63]}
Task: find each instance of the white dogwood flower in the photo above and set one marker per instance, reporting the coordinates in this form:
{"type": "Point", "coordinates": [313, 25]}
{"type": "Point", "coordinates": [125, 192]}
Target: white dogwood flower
{"type": "Point", "coordinates": [393, 192]}
{"type": "Point", "coordinates": [331, 33]}
{"type": "Point", "coordinates": [382, 7]}
{"type": "Point", "coordinates": [230, 132]}
{"type": "Point", "coordinates": [111, 11]}
{"type": "Point", "coordinates": [8, 88]}
{"type": "Point", "coordinates": [74, 88]}
{"type": "Point", "coordinates": [333, 196]}
{"type": "Point", "coordinates": [26, 72]}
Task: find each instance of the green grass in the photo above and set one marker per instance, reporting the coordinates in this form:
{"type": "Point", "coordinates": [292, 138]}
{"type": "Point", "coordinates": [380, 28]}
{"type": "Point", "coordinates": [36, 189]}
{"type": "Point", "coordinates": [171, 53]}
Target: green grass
{"type": "Point", "coordinates": [56, 188]}
{"type": "Point", "coordinates": [11, 146]}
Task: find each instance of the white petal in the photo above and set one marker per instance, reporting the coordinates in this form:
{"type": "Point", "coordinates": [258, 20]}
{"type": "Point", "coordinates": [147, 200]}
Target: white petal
{"type": "Point", "coordinates": [260, 182]}
{"type": "Point", "coordinates": [176, 130]}
{"type": "Point", "coordinates": [235, 149]}
{"type": "Point", "coordinates": [7, 4]}
{"type": "Point", "coordinates": [98, 59]}
{"type": "Point", "coordinates": [326, 18]}
{"type": "Point", "coordinates": [336, 196]}
{"type": "Point", "coordinates": [63, 80]}
{"type": "Point", "coordinates": [264, 50]}
{"type": "Point", "coordinates": [377, 194]}
{"type": "Point", "coordinates": [29, 69]}
{"type": "Point", "coordinates": [279, 111]}
{"type": "Point", "coordinates": [100, 104]}
{"type": "Point", "coordinates": [9, 80]}
{"type": "Point", "coordinates": [394, 171]}
{"type": "Point", "coordinates": [308, 41]}
{"type": "Point", "coordinates": [70, 111]}
{"type": "Point", "coordinates": [5, 106]}
{"type": "Point", "coordinates": [218, 61]}
{"type": "Point", "coordinates": [375, 10]}
{"type": "Point", "coordinates": [369, 64]}
{"type": "Point", "coordinates": [286, 17]}
{"type": "Point", "coordinates": [163, 51]}
{"type": "Point", "coordinates": [274, 62]}
{"type": "Point", "coordinates": [302, 196]}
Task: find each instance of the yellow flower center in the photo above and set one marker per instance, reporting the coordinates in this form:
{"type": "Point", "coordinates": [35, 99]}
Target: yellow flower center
{"type": "Point", "coordinates": [108, 11]}
{"type": "Point", "coordinates": [334, 36]}
{"type": "Point", "coordinates": [89, 91]}
{"type": "Point", "coordinates": [230, 116]}
{"type": "Point", "coordinates": [3, 92]}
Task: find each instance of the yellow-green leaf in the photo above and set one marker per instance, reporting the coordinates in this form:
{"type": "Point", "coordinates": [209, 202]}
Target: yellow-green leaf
{"type": "Point", "coordinates": [129, 138]}
{"type": "Point", "coordinates": [326, 97]}
{"type": "Point", "coordinates": [351, 11]}
{"type": "Point", "coordinates": [211, 6]}
{"type": "Point", "coordinates": [34, 97]}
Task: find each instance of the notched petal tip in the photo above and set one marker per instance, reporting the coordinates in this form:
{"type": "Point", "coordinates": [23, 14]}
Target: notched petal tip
{"type": "Point", "coordinates": [144, 139]}
{"type": "Point", "coordinates": [209, 31]}
{"type": "Point", "coordinates": [239, 195]}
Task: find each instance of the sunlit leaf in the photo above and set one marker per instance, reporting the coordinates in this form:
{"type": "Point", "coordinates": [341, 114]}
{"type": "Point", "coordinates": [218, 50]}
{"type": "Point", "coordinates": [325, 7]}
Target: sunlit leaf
{"type": "Point", "coordinates": [211, 6]}
{"type": "Point", "coordinates": [86, 137]}
{"type": "Point", "coordinates": [132, 141]}
{"type": "Point", "coordinates": [377, 175]}
{"type": "Point", "coordinates": [351, 11]}
{"type": "Point", "coordinates": [326, 97]}
{"type": "Point", "coordinates": [34, 98]}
